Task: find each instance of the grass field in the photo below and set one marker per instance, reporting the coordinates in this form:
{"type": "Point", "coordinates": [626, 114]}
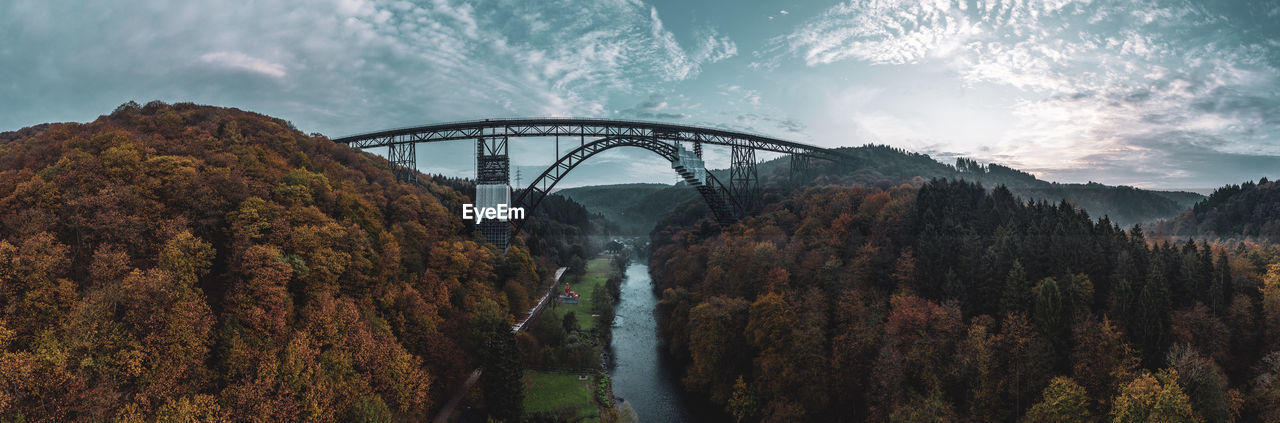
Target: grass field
{"type": "Point", "coordinates": [597, 274]}
{"type": "Point", "coordinates": [548, 392]}
{"type": "Point", "coordinates": [560, 393]}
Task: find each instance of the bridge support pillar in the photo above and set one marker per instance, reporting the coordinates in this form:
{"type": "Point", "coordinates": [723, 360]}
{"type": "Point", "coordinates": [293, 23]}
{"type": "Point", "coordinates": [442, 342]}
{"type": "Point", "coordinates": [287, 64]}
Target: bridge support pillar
{"type": "Point", "coordinates": [404, 161]}
{"type": "Point", "coordinates": [493, 177]}
{"type": "Point", "coordinates": [743, 180]}
{"type": "Point", "coordinates": [801, 169]}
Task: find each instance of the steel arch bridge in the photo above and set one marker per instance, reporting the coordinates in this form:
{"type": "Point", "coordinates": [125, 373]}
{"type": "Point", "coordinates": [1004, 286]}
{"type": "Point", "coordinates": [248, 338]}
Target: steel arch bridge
{"type": "Point", "coordinates": [727, 203]}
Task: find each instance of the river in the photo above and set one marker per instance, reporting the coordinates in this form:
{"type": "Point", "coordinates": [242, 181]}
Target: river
{"type": "Point", "coordinates": [641, 374]}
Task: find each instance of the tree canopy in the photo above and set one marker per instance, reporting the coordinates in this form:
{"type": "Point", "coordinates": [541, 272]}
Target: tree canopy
{"type": "Point", "coordinates": [184, 262]}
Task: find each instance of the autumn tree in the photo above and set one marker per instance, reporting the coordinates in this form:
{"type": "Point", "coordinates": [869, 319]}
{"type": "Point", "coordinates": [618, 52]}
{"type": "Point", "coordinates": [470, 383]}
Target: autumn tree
{"type": "Point", "coordinates": [1102, 360]}
{"type": "Point", "coordinates": [110, 264]}
{"type": "Point", "coordinates": [716, 338]}
{"type": "Point", "coordinates": [1264, 389]}
{"type": "Point", "coordinates": [1205, 385]}
{"type": "Point", "coordinates": [1026, 358]}
{"type": "Point", "coordinates": [1149, 398]}
{"type": "Point", "coordinates": [1063, 401]}
{"type": "Point", "coordinates": [172, 325]}
{"type": "Point", "coordinates": [853, 350]}
{"type": "Point", "coordinates": [932, 407]}
{"type": "Point", "coordinates": [201, 408]}
{"type": "Point", "coordinates": [1199, 328]}
{"type": "Point", "coordinates": [1245, 341]}
{"type": "Point", "coordinates": [33, 286]}
{"type": "Point", "coordinates": [978, 364]}
{"type": "Point", "coordinates": [1270, 290]}
{"type": "Point", "coordinates": [186, 257]}
{"type": "Point", "coordinates": [261, 301]}
{"type": "Point", "coordinates": [919, 337]}
{"type": "Point", "coordinates": [743, 405]}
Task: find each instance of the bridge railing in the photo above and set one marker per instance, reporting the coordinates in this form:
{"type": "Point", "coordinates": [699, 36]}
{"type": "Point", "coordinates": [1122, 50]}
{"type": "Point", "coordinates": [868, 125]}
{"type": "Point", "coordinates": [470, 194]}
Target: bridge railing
{"type": "Point", "coordinates": [605, 121]}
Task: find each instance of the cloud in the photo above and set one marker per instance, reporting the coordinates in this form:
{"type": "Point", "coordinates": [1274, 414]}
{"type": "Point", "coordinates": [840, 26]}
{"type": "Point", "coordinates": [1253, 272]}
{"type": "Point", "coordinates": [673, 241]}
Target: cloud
{"type": "Point", "coordinates": [1169, 130]}
{"type": "Point", "coordinates": [663, 116]}
{"type": "Point", "coordinates": [1135, 90]}
{"type": "Point", "coordinates": [655, 102]}
{"type": "Point", "coordinates": [343, 66]}
{"type": "Point", "coordinates": [1062, 85]}
{"type": "Point", "coordinates": [764, 124]}
{"type": "Point", "coordinates": [879, 32]}
{"type": "Point", "coordinates": [740, 97]}
{"type": "Point", "coordinates": [712, 47]}
{"type": "Point", "coordinates": [241, 61]}
{"type": "Point", "coordinates": [656, 107]}
{"type": "Point", "coordinates": [1171, 160]}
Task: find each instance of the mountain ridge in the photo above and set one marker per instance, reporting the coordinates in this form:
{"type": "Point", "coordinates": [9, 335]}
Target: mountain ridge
{"type": "Point", "coordinates": [1247, 210]}
{"type": "Point", "coordinates": [885, 166]}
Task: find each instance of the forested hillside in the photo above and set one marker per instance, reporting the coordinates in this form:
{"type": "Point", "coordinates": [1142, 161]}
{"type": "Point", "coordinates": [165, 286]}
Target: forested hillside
{"type": "Point", "coordinates": [885, 166]}
{"type": "Point", "coordinates": [1248, 210]}
{"type": "Point", "coordinates": [182, 263]}
{"type": "Point", "coordinates": [637, 207]}
{"type": "Point", "coordinates": [950, 302]}
{"type": "Point", "coordinates": [559, 232]}
{"type": "Point", "coordinates": [562, 232]}
{"type": "Point", "coordinates": [634, 208]}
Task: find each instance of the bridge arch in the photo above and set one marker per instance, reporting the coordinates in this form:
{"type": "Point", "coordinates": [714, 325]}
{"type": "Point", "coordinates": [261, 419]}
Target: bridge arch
{"type": "Point", "coordinates": [493, 164]}
{"type": "Point", "coordinates": [719, 199]}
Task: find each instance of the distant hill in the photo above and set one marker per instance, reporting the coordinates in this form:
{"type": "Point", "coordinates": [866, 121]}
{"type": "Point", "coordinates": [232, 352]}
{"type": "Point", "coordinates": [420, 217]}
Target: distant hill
{"type": "Point", "coordinates": [885, 165]}
{"type": "Point", "coordinates": [634, 208]}
{"type": "Point", "coordinates": [1233, 211]}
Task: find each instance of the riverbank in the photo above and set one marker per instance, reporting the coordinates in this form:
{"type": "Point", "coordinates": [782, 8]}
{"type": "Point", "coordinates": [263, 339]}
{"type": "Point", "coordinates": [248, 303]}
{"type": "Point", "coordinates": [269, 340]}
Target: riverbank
{"type": "Point", "coordinates": [564, 349]}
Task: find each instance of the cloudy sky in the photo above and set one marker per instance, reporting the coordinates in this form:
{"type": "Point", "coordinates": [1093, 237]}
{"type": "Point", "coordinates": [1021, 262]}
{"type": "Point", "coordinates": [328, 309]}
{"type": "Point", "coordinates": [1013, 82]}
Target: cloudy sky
{"type": "Point", "coordinates": [1160, 94]}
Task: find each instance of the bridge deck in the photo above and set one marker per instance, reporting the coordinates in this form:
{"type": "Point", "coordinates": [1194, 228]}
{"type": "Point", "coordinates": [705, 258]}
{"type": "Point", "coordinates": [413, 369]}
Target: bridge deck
{"type": "Point", "coordinates": [581, 127]}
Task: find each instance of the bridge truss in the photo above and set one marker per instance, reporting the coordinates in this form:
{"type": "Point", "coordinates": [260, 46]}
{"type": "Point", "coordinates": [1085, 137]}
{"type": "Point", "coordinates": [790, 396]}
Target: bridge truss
{"type": "Point", "coordinates": [727, 204]}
